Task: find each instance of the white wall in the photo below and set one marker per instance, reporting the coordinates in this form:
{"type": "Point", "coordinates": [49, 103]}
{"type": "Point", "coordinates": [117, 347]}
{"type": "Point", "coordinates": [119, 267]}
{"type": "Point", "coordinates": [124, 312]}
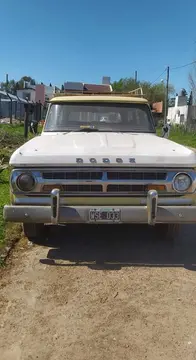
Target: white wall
{"type": "Point", "coordinates": [26, 92]}
{"type": "Point", "coordinates": [178, 114]}
{"type": "Point", "coordinates": [49, 92]}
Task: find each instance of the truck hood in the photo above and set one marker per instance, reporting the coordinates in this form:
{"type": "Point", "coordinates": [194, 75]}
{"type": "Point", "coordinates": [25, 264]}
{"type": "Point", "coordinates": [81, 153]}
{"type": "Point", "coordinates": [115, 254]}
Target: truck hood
{"type": "Point", "coordinates": [62, 149]}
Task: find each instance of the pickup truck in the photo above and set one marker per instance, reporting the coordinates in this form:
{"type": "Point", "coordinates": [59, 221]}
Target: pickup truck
{"type": "Point", "coordinates": [99, 160]}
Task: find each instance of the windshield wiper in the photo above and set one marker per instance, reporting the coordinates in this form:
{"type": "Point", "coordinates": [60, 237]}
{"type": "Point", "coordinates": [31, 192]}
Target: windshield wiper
{"type": "Point", "coordinates": [87, 129]}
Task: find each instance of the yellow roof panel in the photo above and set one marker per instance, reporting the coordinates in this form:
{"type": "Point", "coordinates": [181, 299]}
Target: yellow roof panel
{"type": "Point", "coordinates": [98, 98]}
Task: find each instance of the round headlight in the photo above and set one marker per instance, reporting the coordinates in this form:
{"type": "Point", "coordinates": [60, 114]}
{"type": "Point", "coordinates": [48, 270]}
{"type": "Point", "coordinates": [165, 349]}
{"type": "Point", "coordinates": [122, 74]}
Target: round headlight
{"type": "Point", "coordinates": [26, 182]}
{"type": "Point", "coordinates": [182, 182]}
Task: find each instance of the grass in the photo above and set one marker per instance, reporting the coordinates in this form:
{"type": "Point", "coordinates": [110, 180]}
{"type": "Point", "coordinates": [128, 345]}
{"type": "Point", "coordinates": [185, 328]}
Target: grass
{"type": "Point", "coordinates": [9, 233]}
{"type": "Point", "coordinates": [4, 199]}
{"type": "Point", "coordinates": [11, 137]}
{"type": "Point", "coordinates": [181, 136]}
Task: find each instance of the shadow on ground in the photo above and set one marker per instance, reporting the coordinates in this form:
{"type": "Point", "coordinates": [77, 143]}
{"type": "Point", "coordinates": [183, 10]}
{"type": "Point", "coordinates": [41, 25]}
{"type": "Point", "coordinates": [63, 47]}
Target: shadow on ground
{"type": "Point", "coordinates": [113, 247]}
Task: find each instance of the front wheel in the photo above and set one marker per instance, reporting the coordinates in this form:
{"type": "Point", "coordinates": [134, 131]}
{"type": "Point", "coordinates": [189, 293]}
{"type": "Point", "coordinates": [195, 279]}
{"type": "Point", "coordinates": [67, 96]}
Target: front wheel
{"type": "Point", "coordinates": [36, 233]}
{"type": "Point", "coordinates": [168, 231]}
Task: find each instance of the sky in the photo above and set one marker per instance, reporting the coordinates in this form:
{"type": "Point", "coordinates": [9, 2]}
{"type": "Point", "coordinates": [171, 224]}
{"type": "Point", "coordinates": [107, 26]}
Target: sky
{"type": "Point", "coordinates": [83, 40]}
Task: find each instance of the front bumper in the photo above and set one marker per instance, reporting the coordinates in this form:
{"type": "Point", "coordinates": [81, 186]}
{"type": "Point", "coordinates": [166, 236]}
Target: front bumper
{"type": "Point", "coordinates": [150, 214]}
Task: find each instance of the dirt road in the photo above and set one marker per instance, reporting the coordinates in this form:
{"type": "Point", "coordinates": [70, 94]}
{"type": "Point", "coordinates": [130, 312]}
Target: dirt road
{"type": "Point", "coordinates": [86, 296]}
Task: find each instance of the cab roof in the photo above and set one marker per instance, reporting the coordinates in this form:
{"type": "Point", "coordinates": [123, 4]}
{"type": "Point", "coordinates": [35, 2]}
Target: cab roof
{"type": "Point", "coordinates": [99, 98]}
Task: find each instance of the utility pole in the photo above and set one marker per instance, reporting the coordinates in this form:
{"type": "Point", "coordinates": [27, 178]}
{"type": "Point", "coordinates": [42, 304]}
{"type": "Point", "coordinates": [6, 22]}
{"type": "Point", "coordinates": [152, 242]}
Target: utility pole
{"type": "Point", "coordinates": [26, 120]}
{"type": "Point", "coordinates": [6, 82]}
{"type": "Point", "coordinates": [136, 76]}
{"type": "Point", "coordinates": [166, 96]}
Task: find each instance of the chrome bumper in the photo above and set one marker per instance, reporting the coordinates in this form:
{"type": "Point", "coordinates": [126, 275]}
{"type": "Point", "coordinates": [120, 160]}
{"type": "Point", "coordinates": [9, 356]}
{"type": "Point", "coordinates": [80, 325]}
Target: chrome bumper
{"type": "Point", "coordinates": [150, 214]}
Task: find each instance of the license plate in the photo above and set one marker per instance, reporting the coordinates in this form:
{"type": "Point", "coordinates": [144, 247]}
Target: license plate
{"type": "Point", "coordinates": [104, 215]}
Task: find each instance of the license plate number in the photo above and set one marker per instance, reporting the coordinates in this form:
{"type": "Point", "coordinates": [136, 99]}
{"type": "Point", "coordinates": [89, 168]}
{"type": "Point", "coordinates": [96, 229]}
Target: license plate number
{"type": "Point", "coordinates": [104, 215]}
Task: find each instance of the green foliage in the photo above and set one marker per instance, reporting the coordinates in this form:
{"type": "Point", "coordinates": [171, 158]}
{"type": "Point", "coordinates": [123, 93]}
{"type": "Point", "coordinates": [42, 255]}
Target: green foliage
{"type": "Point", "coordinates": [4, 199]}
{"type": "Point", "coordinates": [126, 84]}
{"type": "Point", "coordinates": [10, 87]}
{"type": "Point", "coordinates": [11, 135]}
{"type": "Point", "coordinates": [190, 99]}
{"type": "Point", "coordinates": [9, 232]}
{"type": "Point", "coordinates": [153, 92]}
{"type": "Point", "coordinates": [26, 78]}
{"type": "Point", "coordinates": [180, 135]}
{"type": "Point", "coordinates": [13, 85]}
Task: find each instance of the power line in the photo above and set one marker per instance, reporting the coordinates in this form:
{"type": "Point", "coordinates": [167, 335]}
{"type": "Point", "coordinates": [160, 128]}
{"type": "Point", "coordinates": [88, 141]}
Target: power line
{"type": "Point", "coordinates": [159, 76]}
{"type": "Point", "coordinates": [174, 68]}
{"type": "Point", "coordinates": [180, 67]}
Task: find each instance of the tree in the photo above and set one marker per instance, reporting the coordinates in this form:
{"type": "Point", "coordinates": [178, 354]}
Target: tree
{"type": "Point", "coordinates": [32, 82]}
{"type": "Point", "coordinates": [183, 92]}
{"type": "Point", "coordinates": [26, 78]}
{"type": "Point", "coordinates": [171, 102]}
{"type": "Point", "coordinates": [13, 85]}
{"type": "Point", "coordinates": [9, 87]}
{"type": "Point", "coordinates": [17, 86]}
{"type": "Point", "coordinates": [192, 82]}
{"type": "Point", "coordinates": [153, 92]}
{"type": "Point", "coordinates": [62, 88]}
{"type": "Point", "coordinates": [126, 84]}
{"type": "Point", "coordinates": [190, 99]}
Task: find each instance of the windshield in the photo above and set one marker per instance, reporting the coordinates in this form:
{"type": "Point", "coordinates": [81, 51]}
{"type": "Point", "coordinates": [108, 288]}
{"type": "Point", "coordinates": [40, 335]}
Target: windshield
{"type": "Point", "coordinates": [99, 117]}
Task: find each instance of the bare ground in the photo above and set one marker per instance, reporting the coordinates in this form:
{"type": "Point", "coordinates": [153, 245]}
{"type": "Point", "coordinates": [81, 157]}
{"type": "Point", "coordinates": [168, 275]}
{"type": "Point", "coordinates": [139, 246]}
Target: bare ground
{"type": "Point", "coordinates": [87, 295]}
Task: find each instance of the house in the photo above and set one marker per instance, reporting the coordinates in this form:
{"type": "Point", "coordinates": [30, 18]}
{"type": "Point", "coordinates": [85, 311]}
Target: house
{"type": "Point", "coordinates": [182, 113]}
{"type": "Point", "coordinates": [179, 113]}
{"type": "Point", "coordinates": [36, 93]}
{"type": "Point", "coordinates": [49, 92]}
{"type": "Point", "coordinates": [27, 94]}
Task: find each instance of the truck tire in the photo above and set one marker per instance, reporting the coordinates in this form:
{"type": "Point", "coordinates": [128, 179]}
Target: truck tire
{"type": "Point", "coordinates": [36, 233]}
{"type": "Point", "coordinates": [168, 231]}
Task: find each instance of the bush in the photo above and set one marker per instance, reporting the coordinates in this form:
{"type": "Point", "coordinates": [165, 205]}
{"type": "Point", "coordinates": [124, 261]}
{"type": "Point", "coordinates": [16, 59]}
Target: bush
{"type": "Point", "coordinates": [10, 139]}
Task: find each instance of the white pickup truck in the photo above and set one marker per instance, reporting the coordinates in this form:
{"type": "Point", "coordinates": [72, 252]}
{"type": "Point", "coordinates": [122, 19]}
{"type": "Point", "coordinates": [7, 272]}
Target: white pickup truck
{"type": "Point", "coordinates": [99, 160]}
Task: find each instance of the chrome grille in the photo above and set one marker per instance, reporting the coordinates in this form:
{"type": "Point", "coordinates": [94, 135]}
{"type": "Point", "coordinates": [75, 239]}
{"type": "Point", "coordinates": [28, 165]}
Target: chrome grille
{"type": "Point", "coordinates": [126, 188]}
{"type": "Point", "coordinates": [135, 175]}
{"type": "Point", "coordinates": [98, 175]}
{"type": "Point", "coordinates": [74, 188]}
{"type": "Point", "coordinates": [101, 180]}
{"type": "Point", "coordinates": [73, 175]}
{"type": "Point", "coordinates": [93, 185]}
